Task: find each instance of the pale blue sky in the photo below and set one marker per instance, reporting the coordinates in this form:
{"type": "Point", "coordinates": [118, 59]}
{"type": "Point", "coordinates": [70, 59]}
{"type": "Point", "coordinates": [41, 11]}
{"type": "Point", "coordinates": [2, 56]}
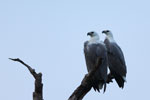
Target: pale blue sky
{"type": "Point", "coordinates": [49, 36]}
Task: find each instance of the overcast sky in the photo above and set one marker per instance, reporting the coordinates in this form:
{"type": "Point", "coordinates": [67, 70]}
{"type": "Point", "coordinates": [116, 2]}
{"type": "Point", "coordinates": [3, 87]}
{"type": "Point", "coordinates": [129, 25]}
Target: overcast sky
{"type": "Point", "coordinates": [49, 35]}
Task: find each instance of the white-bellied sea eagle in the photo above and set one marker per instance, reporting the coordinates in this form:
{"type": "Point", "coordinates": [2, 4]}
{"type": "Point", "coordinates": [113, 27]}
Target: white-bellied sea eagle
{"type": "Point", "coordinates": [116, 61]}
{"type": "Point", "coordinates": [93, 50]}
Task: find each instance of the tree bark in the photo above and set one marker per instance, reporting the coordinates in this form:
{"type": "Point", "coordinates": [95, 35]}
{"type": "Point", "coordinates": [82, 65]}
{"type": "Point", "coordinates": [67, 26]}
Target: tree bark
{"type": "Point", "coordinates": [38, 92]}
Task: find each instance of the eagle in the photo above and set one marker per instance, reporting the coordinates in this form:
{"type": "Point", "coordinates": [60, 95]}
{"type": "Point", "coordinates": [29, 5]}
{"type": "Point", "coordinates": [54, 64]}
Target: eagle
{"type": "Point", "coordinates": [116, 60]}
{"type": "Point", "coordinates": [93, 50]}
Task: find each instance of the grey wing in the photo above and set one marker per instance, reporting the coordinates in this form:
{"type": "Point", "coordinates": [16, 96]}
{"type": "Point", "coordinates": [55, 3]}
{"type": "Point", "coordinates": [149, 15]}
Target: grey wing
{"type": "Point", "coordinates": [117, 58]}
{"type": "Point", "coordinates": [101, 52]}
{"type": "Point", "coordinates": [87, 54]}
{"type": "Point", "coordinates": [92, 54]}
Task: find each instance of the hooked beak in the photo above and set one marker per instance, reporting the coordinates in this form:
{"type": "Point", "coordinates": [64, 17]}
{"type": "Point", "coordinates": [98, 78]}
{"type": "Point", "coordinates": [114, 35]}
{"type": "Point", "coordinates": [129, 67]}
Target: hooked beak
{"type": "Point", "coordinates": [89, 33]}
{"type": "Point", "coordinates": [104, 32]}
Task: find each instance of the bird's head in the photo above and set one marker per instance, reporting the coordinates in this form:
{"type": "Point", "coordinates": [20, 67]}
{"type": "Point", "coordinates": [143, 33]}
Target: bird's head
{"type": "Point", "coordinates": [94, 36]}
{"type": "Point", "coordinates": [107, 33]}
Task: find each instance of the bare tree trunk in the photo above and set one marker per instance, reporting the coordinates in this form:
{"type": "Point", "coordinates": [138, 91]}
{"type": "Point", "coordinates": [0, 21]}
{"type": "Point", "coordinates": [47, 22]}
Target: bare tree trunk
{"type": "Point", "coordinates": [38, 92]}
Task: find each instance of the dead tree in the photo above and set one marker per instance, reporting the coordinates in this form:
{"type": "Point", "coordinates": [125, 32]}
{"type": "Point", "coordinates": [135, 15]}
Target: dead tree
{"type": "Point", "coordinates": [38, 92]}
{"type": "Point", "coordinates": [78, 94]}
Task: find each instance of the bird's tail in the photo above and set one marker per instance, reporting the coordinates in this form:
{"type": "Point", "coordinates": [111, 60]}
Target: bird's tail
{"type": "Point", "coordinates": [120, 80]}
{"type": "Point", "coordinates": [99, 85]}
{"type": "Point", "coordinates": [104, 87]}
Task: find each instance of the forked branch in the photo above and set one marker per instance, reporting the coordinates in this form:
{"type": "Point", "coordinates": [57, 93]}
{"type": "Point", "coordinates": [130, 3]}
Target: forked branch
{"type": "Point", "coordinates": [38, 92]}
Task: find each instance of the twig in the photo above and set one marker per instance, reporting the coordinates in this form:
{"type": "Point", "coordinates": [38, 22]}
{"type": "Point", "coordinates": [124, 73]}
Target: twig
{"type": "Point", "coordinates": [38, 92]}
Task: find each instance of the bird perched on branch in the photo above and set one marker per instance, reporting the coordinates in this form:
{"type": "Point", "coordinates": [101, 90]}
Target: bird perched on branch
{"type": "Point", "coordinates": [93, 50]}
{"type": "Point", "coordinates": [116, 59]}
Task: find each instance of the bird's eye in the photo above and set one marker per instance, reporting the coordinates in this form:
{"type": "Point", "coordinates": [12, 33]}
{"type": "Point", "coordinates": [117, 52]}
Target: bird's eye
{"type": "Point", "coordinates": [92, 32]}
{"type": "Point", "coordinates": [107, 31]}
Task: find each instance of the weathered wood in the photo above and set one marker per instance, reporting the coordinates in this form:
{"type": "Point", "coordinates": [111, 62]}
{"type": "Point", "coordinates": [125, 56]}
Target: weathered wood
{"type": "Point", "coordinates": [38, 92]}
